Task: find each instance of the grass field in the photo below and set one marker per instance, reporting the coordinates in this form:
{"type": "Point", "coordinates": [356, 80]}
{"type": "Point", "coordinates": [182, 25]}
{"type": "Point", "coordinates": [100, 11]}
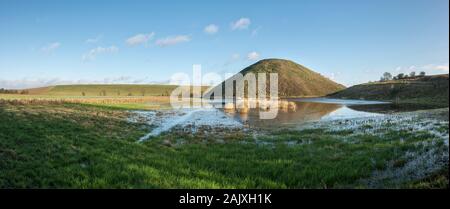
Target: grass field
{"type": "Point", "coordinates": [135, 97]}
{"type": "Point", "coordinates": [130, 103]}
{"type": "Point", "coordinates": [86, 146]}
{"type": "Point", "coordinates": [108, 90]}
{"type": "Point", "coordinates": [115, 90]}
{"type": "Point", "coordinates": [54, 138]}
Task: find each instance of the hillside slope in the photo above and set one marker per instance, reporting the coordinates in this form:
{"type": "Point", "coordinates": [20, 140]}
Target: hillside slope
{"type": "Point", "coordinates": [294, 80]}
{"type": "Point", "coordinates": [104, 90]}
{"type": "Point", "coordinates": [428, 90]}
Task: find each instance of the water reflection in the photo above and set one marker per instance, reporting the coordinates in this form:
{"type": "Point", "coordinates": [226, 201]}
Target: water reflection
{"type": "Point", "coordinates": [304, 112]}
{"type": "Point", "coordinates": [308, 110]}
{"type": "Point", "coordinates": [292, 113]}
{"type": "Point", "coordinates": [297, 111]}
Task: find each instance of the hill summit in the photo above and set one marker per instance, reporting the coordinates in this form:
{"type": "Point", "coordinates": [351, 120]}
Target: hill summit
{"type": "Point", "coordinates": [294, 80]}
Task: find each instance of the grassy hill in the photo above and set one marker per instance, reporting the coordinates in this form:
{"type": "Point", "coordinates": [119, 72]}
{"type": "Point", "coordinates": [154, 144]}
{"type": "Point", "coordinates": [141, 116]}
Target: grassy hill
{"type": "Point", "coordinates": [105, 90]}
{"type": "Point", "coordinates": [294, 80]}
{"type": "Point", "coordinates": [427, 90]}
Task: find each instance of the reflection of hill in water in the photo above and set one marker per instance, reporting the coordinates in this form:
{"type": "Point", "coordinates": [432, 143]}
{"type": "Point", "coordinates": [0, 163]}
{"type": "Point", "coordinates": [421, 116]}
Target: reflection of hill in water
{"type": "Point", "coordinates": [305, 111]}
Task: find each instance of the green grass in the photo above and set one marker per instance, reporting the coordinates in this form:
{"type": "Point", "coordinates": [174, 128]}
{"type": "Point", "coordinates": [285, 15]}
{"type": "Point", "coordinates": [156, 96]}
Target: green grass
{"type": "Point", "coordinates": [110, 90]}
{"type": "Point", "coordinates": [428, 91]}
{"type": "Point", "coordinates": [85, 146]}
{"type": "Point", "coordinates": [135, 106]}
{"type": "Point", "coordinates": [125, 102]}
{"type": "Point", "coordinates": [105, 90]}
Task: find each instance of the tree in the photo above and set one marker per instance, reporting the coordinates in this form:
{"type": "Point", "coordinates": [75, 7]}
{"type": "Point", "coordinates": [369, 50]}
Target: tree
{"type": "Point", "coordinates": [386, 77]}
{"type": "Point", "coordinates": [422, 73]}
{"type": "Point", "coordinates": [8, 91]}
{"type": "Point", "coordinates": [400, 76]}
{"type": "Point", "coordinates": [412, 74]}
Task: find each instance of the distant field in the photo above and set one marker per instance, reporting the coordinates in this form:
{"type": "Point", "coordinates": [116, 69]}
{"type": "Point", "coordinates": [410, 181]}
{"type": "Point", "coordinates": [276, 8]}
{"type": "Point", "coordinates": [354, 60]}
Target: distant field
{"type": "Point", "coordinates": [137, 97]}
{"type": "Point", "coordinates": [105, 90]}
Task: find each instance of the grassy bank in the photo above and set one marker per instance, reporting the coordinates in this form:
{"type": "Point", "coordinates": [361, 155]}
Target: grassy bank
{"type": "Point", "coordinates": [428, 91]}
{"type": "Point", "coordinates": [85, 146]}
{"type": "Point", "coordinates": [126, 103]}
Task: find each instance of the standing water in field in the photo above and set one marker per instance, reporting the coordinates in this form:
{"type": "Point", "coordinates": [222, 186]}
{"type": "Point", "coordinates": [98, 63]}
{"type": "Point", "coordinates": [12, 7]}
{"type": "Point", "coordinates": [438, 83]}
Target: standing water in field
{"type": "Point", "coordinates": [306, 110]}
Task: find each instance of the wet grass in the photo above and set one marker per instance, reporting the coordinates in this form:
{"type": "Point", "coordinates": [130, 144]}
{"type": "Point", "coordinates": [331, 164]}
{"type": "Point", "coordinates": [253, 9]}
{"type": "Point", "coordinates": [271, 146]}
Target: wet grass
{"type": "Point", "coordinates": [86, 146]}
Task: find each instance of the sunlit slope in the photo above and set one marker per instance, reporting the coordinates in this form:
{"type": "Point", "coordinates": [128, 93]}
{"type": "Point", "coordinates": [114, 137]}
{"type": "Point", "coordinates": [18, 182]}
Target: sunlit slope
{"type": "Point", "coordinates": [105, 90]}
{"type": "Point", "coordinates": [294, 80]}
{"type": "Point", "coordinates": [427, 90]}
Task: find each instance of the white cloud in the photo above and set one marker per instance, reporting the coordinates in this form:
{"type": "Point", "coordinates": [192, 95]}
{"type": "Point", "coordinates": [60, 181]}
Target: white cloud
{"type": "Point", "coordinates": [25, 83]}
{"type": "Point", "coordinates": [28, 83]}
{"type": "Point", "coordinates": [139, 39]}
{"type": "Point", "coordinates": [256, 31]}
{"type": "Point", "coordinates": [172, 40]}
{"type": "Point", "coordinates": [93, 40]}
{"type": "Point", "coordinates": [235, 56]}
{"type": "Point", "coordinates": [428, 69]}
{"type": "Point", "coordinates": [51, 47]}
{"type": "Point", "coordinates": [211, 29]}
{"type": "Point", "coordinates": [92, 54]}
{"type": "Point", "coordinates": [241, 24]}
{"type": "Point", "coordinates": [253, 56]}
{"type": "Point", "coordinates": [442, 68]}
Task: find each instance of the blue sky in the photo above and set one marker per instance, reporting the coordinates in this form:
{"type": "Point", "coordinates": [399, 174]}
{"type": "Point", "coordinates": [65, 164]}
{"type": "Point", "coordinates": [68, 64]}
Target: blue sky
{"type": "Point", "coordinates": [351, 41]}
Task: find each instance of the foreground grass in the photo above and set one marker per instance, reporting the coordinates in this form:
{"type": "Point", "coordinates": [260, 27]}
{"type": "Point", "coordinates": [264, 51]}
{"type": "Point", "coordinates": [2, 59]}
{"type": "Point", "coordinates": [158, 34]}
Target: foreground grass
{"type": "Point", "coordinates": [85, 146]}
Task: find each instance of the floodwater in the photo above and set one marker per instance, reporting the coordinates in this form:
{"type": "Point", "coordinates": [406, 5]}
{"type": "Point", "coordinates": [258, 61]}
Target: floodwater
{"type": "Point", "coordinates": [306, 110]}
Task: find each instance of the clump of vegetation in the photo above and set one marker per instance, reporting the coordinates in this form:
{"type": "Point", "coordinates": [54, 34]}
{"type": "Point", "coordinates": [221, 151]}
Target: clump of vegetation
{"type": "Point", "coordinates": [412, 75]}
{"type": "Point", "coordinates": [10, 91]}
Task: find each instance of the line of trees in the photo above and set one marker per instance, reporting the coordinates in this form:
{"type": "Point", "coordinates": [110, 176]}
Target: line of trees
{"type": "Point", "coordinates": [11, 91]}
{"type": "Point", "coordinates": [388, 76]}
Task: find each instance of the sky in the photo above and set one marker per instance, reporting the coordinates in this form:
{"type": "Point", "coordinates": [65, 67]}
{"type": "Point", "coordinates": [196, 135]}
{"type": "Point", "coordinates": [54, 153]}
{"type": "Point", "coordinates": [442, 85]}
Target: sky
{"type": "Point", "coordinates": [49, 42]}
